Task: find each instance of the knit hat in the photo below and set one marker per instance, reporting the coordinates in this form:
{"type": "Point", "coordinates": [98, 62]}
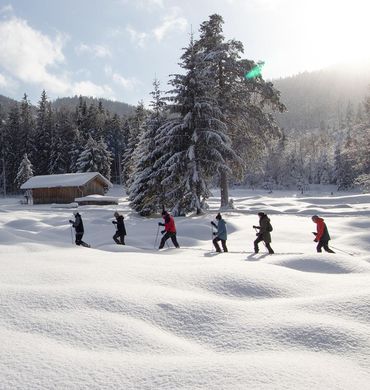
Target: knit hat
{"type": "Point", "coordinates": [116, 214]}
{"type": "Point", "coordinates": [218, 216]}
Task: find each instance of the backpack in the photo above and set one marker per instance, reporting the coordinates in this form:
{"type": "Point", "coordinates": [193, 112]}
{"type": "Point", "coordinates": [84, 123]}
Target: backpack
{"type": "Point", "coordinates": [269, 227]}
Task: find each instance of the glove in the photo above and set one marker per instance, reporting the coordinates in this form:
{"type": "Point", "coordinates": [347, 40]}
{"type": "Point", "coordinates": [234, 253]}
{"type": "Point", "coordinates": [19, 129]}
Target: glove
{"type": "Point", "coordinates": [314, 233]}
{"type": "Point", "coordinates": [70, 221]}
{"type": "Point", "coordinates": [163, 231]}
{"type": "Point", "coordinates": [215, 234]}
{"type": "Point", "coordinates": [315, 240]}
{"type": "Point", "coordinates": [257, 234]}
{"type": "Point", "coordinates": [113, 222]}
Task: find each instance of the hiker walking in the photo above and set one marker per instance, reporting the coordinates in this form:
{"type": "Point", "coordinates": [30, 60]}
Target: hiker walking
{"type": "Point", "coordinates": [264, 230]}
{"type": "Point", "coordinates": [221, 234]}
{"type": "Point", "coordinates": [169, 229]}
{"type": "Point", "coordinates": [322, 236]}
{"type": "Point", "coordinates": [119, 236]}
{"type": "Point", "coordinates": [79, 229]}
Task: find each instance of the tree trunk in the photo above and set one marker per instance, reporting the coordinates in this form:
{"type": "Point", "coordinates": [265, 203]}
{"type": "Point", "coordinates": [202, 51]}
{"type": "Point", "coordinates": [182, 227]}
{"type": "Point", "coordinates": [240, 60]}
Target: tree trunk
{"type": "Point", "coordinates": [224, 185]}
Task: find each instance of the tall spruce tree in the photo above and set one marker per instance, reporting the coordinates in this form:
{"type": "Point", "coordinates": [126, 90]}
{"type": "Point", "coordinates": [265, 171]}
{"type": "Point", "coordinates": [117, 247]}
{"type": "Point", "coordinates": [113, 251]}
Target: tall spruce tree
{"type": "Point", "coordinates": [95, 158]}
{"type": "Point", "coordinates": [242, 102]}
{"type": "Point", "coordinates": [116, 141]}
{"type": "Point", "coordinates": [44, 133]}
{"type": "Point", "coordinates": [134, 126]}
{"type": "Point", "coordinates": [25, 171]}
{"type": "Point", "coordinates": [26, 127]}
{"type": "Point", "coordinates": [144, 188]}
{"type": "Point", "coordinates": [11, 148]}
{"type": "Point", "coordinates": [3, 150]}
{"type": "Point", "coordinates": [194, 145]}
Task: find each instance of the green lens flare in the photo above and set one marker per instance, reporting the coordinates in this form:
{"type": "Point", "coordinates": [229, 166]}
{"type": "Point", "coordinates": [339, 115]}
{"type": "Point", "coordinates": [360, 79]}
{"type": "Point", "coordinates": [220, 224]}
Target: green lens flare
{"type": "Point", "coordinates": [254, 72]}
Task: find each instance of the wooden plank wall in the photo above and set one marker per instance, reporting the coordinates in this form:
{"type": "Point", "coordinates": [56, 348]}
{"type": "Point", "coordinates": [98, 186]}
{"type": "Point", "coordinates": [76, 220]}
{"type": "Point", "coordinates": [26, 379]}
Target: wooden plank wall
{"type": "Point", "coordinates": [66, 194]}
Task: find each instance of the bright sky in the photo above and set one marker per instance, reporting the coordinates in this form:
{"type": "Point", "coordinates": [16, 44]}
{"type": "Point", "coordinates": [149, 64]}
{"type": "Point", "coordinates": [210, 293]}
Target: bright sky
{"type": "Point", "coordinates": [115, 48]}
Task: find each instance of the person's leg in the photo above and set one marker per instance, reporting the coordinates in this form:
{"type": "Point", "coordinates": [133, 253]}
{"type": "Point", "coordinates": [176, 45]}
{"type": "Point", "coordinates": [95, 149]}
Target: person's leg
{"type": "Point", "coordinates": [326, 247]}
{"type": "Point", "coordinates": [224, 247]}
{"type": "Point", "coordinates": [78, 238]}
{"type": "Point", "coordinates": [215, 243]}
{"type": "Point", "coordinates": [319, 246]}
{"type": "Point", "coordinates": [115, 237]}
{"type": "Point", "coordinates": [268, 246]}
{"type": "Point", "coordinates": [174, 240]}
{"type": "Point", "coordinates": [122, 238]}
{"type": "Point", "coordinates": [256, 241]}
{"type": "Point", "coordinates": [164, 239]}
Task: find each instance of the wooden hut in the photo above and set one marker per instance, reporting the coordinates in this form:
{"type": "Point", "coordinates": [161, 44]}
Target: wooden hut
{"type": "Point", "coordinates": [66, 187]}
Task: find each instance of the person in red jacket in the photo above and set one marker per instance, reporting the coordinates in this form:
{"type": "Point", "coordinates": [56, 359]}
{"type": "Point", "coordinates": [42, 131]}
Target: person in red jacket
{"type": "Point", "coordinates": [169, 229]}
{"type": "Point", "coordinates": [322, 234]}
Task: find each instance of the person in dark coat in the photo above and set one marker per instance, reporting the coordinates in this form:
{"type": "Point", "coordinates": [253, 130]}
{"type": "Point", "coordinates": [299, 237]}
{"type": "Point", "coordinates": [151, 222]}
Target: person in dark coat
{"type": "Point", "coordinates": [169, 229]}
{"type": "Point", "coordinates": [79, 229]}
{"type": "Point", "coordinates": [119, 236]}
{"type": "Point", "coordinates": [221, 234]}
{"type": "Point", "coordinates": [263, 233]}
{"type": "Point", "coordinates": [322, 236]}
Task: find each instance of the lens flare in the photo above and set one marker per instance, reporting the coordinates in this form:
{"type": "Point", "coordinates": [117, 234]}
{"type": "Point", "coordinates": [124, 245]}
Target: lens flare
{"type": "Point", "coordinates": [255, 72]}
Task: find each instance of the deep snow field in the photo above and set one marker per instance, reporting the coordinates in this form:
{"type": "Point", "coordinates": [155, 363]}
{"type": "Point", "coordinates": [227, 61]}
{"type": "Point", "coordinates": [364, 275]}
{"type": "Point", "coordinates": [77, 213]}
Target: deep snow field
{"type": "Point", "coordinates": [131, 317]}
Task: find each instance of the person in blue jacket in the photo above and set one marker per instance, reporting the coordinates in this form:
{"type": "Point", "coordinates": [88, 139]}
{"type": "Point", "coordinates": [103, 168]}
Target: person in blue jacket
{"type": "Point", "coordinates": [221, 234]}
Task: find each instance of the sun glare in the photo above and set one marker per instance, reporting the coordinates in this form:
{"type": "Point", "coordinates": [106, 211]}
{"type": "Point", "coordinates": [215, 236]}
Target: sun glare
{"type": "Point", "coordinates": [339, 31]}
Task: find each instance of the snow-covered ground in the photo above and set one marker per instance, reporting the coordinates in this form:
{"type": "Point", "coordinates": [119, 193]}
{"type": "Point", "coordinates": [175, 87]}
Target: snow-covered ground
{"type": "Point", "coordinates": [130, 317]}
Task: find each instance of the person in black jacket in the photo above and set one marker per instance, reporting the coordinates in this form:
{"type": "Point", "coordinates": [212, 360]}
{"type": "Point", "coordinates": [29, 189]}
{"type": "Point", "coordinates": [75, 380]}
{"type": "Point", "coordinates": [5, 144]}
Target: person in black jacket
{"type": "Point", "coordinates": [79, 229]}
{"type": "Point", "coordinates": [264, 233]}
{"type": "Point", "coordinates": [121, 229]}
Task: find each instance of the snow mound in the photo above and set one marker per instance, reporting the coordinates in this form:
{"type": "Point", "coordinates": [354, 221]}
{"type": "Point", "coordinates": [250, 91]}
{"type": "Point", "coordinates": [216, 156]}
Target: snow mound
{"type": "Point", "coordinates": [133, 317]}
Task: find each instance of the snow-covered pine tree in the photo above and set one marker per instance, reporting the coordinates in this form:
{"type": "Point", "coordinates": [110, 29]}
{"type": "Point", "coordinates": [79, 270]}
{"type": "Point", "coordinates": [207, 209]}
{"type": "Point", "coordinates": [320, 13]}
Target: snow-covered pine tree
{"type": "Point", "coordinates": [42, 145]}
{"type": "Point", "coordinates": [343, 169]}
{"type": "Point", "coordinates": [193, 145]}
{"type": "Point", "coordinates": [95, 158]}
{"type": "Point", "coordinates": [135, 127]}
{"type": "Point", "coordinates": [325, 169]}
{"type": "Point", "coordinates": [65, 136]}
{"type": "Point", "coordinates": [116, 141]}
{"type": "Point", "coordinates": [144, 187]}
{"type": "Point", "coordinates": [11, 138]}
{"type": "Point", "coordinates": [25, 171]}
{"type": "Point", "coordinates": [2, 152]}
{"type": "Point", "coordinates": [26, 127]}
{"type": "Point", "coordinates": [81, 119]}
{"type": "Point", "coordinates": [242, 102]}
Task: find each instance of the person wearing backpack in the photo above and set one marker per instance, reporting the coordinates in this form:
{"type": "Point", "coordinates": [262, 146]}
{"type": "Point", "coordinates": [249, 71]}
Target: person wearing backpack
{"type": "Point", "coordinates": [264, 233]}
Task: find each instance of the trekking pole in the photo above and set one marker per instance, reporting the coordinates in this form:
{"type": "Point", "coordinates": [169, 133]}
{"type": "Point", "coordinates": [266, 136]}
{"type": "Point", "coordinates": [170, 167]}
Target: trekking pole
{"type": "Point", "coordinates": [156, 238]}
{"type": "Point", "coordinates": [340, 250]}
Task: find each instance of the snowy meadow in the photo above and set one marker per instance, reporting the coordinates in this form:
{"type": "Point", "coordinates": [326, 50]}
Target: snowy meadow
{"type": "Point", "coordinates": [133, 317]}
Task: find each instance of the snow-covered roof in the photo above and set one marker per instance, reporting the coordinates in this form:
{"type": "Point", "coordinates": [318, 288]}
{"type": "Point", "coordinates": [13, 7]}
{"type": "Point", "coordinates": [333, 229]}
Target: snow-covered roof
{"type": "Point", "coordinates": [63, 180]}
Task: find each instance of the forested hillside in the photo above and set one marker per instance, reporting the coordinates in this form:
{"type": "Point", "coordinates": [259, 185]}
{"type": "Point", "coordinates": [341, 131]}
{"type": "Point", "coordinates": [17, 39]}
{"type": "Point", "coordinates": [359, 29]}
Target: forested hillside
{"type": "Point", "coordinates": [114, 107]}
{"type": "Point", "coordinates": [322, 99]}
